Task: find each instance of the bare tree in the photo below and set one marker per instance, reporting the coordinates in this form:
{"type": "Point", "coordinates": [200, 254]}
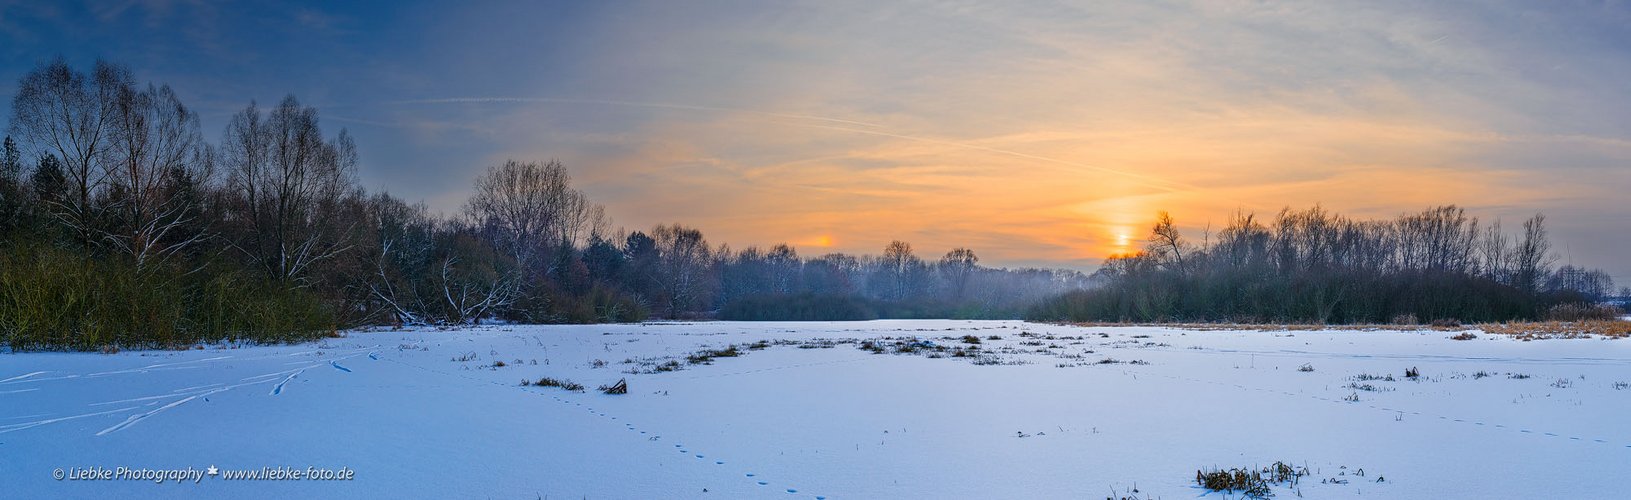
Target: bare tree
{"type": "Point", "coordinates": [1166, 242]}
{"type": "Point", "coordinates": [288, 183]}
{"type": "Point", "coordinates": [898, 267]}
{"type": "Point", "coordinates": [1495, 254]}
{"type": "Point", "coordinates": [957, 266]}
{"type": "Point", "coordinates": [1591, 284]}
{"type": "Point", "coordinates": [470, 300]}
{"type": "Point", "coordinates": [64, 113]}
{"type": "Point", "coordinates": [1438, 239]}
{"type": "Point", "coordinates": [406, 244]}
{"type": "Point", "coordinates": [784, 266]}
{"type": "Point", "coordinates": [530, 208]}
{"type": "Point", "coordinates": [1532, 259]}
{"type": "Point", "coordinates": [684, 261]}
{"type": "Point", "coordinates": [154, 141]}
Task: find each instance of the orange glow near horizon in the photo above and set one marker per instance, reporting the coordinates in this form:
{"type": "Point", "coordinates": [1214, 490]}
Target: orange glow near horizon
{"type": "Point", "coordinates": [1064, 157]}
{"type": "Point", "coordinates": [1033, 208]}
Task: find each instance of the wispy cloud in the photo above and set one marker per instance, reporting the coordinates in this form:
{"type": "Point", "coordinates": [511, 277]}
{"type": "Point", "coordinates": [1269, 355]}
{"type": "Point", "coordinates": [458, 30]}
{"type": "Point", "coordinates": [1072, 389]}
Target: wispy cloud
{"type": "Point", "coordinates": [685, 107]}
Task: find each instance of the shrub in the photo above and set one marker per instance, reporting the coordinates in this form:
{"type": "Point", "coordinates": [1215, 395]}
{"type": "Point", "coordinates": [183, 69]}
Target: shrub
{"type": "Point", "coordinates": [1583, 312]}
{"type": "Point", "coordinates": [51, 299]}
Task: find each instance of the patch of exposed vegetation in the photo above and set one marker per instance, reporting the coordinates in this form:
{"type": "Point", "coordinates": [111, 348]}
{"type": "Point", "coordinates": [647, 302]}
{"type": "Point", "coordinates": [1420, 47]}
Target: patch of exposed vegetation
{"type": "Point", "coordinates": [557, 383]}
{"type": "Point", "coordinates": [706, 356]}
{"type": "Point", "coordinates": [1365, 377]}
{"type": "Point", "coordinates": [1250, 482]}
{"type": "Point", "coordinates": [1540, 330]}
{"type": "Point", "coordinates": [1368, 387]}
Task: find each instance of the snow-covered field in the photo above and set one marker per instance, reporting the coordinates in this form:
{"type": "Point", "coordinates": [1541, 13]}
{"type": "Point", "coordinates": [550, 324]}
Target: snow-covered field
{"type": "Point", "coordinates": [426, 414]}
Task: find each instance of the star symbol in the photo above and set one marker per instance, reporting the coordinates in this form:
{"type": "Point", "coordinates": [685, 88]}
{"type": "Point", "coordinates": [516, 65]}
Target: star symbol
{"type": "Point", "coordinates": [212, 470]}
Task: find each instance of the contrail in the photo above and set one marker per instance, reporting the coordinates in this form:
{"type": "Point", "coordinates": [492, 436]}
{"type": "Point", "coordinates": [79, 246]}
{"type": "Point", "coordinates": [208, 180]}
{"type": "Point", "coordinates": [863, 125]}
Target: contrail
{"type": "Point", "coordinates": [687, 107]}
{"type": "Point", "coordinates": [1150, 181]}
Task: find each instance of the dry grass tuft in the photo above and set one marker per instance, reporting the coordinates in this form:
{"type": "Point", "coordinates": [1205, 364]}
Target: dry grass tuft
{"type": "Point", "coordinates": [1443, 325]}
{"type": "Point", "coordinates": [621, 387]}
{"type": "Point", "coordinates": [1523, 330]}
{"type": "Point", "coordinates": [1251, 483]}
{"type": "Point", "coordinates": [561, 383]}
{"type": "Point", "coordinates": [1538, 330]}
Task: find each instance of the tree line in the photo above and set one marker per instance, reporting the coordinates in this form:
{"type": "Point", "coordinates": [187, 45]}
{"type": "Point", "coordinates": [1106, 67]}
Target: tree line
{"type": "Point", "coordinates": [1315, 266]}
{"type": "Point", "coordinates": [120, 224]}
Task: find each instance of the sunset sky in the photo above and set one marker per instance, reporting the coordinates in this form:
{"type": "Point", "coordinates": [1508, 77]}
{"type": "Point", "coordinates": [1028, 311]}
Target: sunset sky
{"type": "Point", "coordinates": [1035, 133]}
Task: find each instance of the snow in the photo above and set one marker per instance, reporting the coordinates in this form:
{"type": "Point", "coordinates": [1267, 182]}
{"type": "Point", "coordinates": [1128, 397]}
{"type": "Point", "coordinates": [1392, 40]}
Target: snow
{"type": "Point", "coordinates": [408, 419]}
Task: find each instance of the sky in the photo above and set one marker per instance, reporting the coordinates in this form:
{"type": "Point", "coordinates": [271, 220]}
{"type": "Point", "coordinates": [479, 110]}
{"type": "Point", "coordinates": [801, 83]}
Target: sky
{"type": "Point", "coordinates": [1035, 133]}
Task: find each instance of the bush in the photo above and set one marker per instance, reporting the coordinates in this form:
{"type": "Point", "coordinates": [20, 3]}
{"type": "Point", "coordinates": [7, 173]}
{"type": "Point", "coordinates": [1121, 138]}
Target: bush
{"type": "Point", "coordinates": [1584, 312]}
{"type": "Point", "coordinates": [51, 299]}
